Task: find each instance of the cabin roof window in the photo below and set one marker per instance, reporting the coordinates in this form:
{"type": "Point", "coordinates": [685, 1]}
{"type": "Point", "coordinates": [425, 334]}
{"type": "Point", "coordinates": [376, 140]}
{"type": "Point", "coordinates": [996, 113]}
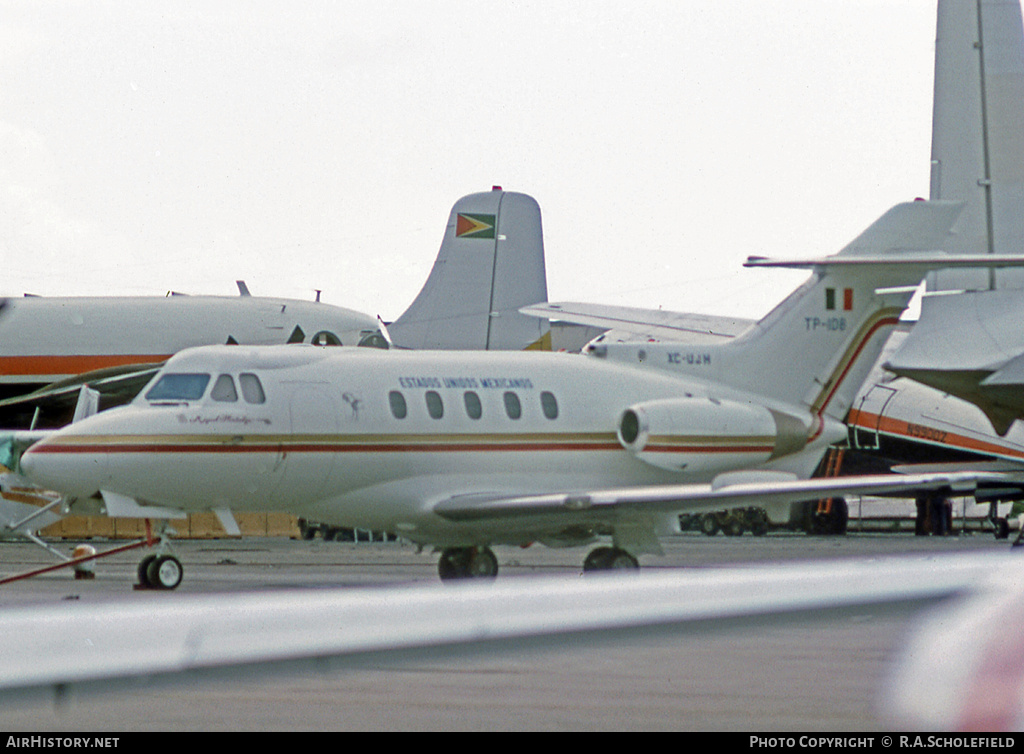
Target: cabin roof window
{"type": "Point", "coordinates": [179, 387]}
{"type": "Point", "coordinates": [252, 388]}
{"type": "Point", "coordinates": [398, 408]}
{"type": "Point", "coordinates": [513, 407]}
{"type": "Point", "coordinates": [224, 389]}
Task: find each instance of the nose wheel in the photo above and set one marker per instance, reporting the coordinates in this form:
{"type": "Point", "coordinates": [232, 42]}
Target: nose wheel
{"type": "Point", "coordinates": [160, 572]}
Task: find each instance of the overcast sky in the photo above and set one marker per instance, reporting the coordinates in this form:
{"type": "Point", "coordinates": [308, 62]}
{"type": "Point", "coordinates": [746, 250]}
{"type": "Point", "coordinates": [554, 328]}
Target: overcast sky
{"type": "Point", "coordinates": [147, 147]}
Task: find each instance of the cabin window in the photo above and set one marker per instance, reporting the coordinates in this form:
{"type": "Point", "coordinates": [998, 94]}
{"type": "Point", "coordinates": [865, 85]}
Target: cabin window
{"type": "Point", "coordinates": [513, 407]}
{"type": "Point", "coordinates": [325, 338]}
{"type": "Point", "coordinates": [224, 389]}
{"type": "Point", "coordinates": [398, 408]}
{"type": "Point", "coordinates": [549, 405]}
{"type": "Point", "coordinates": [473, 408]}
{"type": "Point", "coordinates": [252, 389]}
{"type": "Point", "coordinates": [435, 407]}
{"type": "Point", "coordinates": [179, 387]}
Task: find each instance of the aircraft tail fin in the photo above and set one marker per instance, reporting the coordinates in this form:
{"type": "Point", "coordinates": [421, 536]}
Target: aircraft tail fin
{"type": "Point", "coordinates": [491, 263]}
{"type": "Point", "coordinates": [978, 134]}
{"type": "Point", "coordinates": [829, 332]}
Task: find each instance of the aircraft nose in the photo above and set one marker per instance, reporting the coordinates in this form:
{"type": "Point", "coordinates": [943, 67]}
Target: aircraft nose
{"type": "Point", "coordinates": [79, 474]}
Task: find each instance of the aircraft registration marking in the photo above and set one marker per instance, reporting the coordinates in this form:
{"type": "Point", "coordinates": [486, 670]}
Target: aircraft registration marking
{"type": "Point", "coordinates": [898, 428]}
{"type": "Point", "coordinates": [883, 318]}
{"type": "Point", "coordinates": [689, 358]}
{"type": "Point", "coordinates": [828, 324]}
{"type": "Point", "coordinates": [928, 433]}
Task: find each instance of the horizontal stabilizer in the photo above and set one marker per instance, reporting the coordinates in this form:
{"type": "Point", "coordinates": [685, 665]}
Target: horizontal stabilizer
{"type": "Point", "coordinates": [645, 323]}
{"type": "Point", "coordinates": [911, 233]}
{"type": "Point", "coordinates": [925, 261]}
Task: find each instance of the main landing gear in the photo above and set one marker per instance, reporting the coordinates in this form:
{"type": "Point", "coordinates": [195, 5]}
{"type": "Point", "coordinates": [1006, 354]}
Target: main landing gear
{"type": "Point", "coordinates": [467, 563]}
{"type": "Point", "coordinates": [480, 563]}
{"type": "Point", "coordinates": [609, 559]}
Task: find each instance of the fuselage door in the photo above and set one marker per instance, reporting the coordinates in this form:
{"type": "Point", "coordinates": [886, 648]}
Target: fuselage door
{"type": "Point", "coordinates": [866, 416]}
{"type": "Point", "coordinates": [308, 450]}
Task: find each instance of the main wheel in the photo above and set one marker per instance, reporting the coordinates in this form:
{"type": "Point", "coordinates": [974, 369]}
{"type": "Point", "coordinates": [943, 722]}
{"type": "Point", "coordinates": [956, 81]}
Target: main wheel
{"type": "Point", "coordinates": [622, 560]}
{"type": "Point", "coordinates": [597, 559]}
{"type": "Point", "coordinates": [757, 521]}
{"type": "Point", "coordinates": [467, 563]}
{"type": "Point", "coordinates": [709, 524]}
{"type": "Point", "coordinates": [1002, 528]}
{"type": "Point", "coordinates": [733, 524]}
{"type": "Point", "coordinates": [609, 558]}
{"type": "Point", "coordinates": [164, 572]}
{"type": "Point", "coordinates": [482, 563]}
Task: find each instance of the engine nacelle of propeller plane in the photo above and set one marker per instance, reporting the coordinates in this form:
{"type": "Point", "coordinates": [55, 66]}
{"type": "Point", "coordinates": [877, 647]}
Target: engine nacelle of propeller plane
{"type": "Point", "coordinates": [708, 434]}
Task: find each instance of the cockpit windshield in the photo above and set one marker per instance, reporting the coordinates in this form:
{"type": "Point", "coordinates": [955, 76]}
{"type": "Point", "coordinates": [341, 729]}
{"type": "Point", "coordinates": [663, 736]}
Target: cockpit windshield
{"type": "Point", "coordinates": [179, 387]}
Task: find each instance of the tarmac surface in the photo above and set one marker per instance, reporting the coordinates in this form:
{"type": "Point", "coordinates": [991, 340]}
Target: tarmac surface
{"type": "Point", "coordinates": [822, 676]}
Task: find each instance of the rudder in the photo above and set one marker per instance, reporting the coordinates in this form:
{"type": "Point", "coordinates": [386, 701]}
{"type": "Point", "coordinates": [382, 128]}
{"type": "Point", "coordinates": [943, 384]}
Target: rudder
{"type": "Point", "coordinates": [491, 263]}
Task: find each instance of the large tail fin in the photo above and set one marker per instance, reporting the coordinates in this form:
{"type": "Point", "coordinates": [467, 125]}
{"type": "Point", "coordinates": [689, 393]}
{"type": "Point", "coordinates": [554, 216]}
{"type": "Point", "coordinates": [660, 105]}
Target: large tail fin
{"type": "Point", "coordinates": [978, 134]}
{"type": "Point", "coordinates": [817, 346]}
{"type": "Point", "coordinates": [490, 264]}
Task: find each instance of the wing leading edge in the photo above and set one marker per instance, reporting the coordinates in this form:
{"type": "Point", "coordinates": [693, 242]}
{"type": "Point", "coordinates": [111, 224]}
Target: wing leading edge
{"type": "Point", "coordinates": [739, 489]}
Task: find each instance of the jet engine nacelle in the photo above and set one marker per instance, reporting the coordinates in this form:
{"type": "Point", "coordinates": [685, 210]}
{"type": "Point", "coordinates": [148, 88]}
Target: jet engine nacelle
{"type": "Point", "coordinates": [708, 434]}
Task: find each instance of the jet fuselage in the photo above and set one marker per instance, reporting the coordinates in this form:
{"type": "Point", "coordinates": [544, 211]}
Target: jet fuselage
{"type": "Point", "coordinates": [376, 439]}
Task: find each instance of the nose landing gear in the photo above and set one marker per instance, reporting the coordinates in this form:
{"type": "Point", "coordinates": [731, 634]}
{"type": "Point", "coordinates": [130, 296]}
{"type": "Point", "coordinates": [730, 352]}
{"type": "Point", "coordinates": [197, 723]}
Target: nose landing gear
{"type": "Point", "coordinates": [160, 572]}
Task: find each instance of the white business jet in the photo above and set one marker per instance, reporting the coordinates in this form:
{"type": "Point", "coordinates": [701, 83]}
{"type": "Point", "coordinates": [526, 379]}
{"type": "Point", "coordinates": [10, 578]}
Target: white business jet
{"type": "Point", "coordinates": [463, 450]}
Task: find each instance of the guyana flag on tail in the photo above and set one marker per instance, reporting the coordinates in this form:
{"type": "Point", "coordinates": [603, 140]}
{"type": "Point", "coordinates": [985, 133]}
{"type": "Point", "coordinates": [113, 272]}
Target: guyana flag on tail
{"type": "Point", "coordinates": [475, 226]}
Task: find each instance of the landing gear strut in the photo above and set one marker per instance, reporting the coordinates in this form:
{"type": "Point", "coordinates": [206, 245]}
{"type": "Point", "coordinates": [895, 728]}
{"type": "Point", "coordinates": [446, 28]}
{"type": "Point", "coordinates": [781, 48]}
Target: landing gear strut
{"type": "Point", "coordinates": [467, 563]}
{"type": "Point", "coordinates": [1000, 525]}
{"type": "Point", "coordinates": [934, 514]}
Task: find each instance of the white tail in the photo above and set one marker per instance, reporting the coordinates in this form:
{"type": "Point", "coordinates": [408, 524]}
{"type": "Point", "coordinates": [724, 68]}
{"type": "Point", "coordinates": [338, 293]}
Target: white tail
{"type": "Point", "coordinates": [817, 346]}
{"type": "Point", "coordinates": [491, 264]}
{"type": "Point", "coordinates": [978, 134]}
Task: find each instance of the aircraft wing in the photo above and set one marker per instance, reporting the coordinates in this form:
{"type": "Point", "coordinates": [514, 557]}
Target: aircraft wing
{"type": "Point", "coordinates": [55, 653]}
{"type": "Point", "coordinates": [642, 323]}
{"type": "Point", "coordinates": [740, 489]}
